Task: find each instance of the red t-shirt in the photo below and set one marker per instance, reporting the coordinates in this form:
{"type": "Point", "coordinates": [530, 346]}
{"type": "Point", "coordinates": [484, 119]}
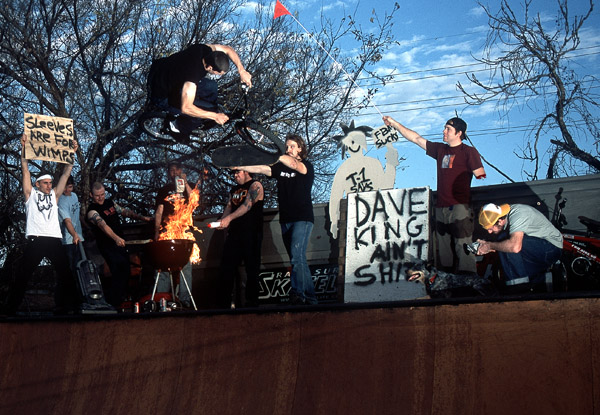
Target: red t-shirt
{"type": "Point", "coordinates": [455, 167]}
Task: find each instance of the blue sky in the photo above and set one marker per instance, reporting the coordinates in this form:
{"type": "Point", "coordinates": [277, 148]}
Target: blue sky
{"type": "Point", "coordinates": [434, 43]}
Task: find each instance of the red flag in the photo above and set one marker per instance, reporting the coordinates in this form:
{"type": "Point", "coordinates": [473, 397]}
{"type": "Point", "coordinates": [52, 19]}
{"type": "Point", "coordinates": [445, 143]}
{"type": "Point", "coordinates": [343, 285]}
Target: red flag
{"type": "Point", "coordinates": [280, 10]}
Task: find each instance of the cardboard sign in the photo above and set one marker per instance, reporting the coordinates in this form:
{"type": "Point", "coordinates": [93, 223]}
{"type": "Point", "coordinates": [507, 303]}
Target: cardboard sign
{"type": "Point", "coordinates": [384, 135]}
{"type": "Point", "coordinates": [49, 138]}
{"type": "Point", "coordinates": [385, 230]}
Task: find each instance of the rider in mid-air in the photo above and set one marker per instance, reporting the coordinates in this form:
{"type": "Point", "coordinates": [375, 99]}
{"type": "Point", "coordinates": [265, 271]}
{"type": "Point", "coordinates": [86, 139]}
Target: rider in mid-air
{"type": "Point", "coordinates": [179, 84]}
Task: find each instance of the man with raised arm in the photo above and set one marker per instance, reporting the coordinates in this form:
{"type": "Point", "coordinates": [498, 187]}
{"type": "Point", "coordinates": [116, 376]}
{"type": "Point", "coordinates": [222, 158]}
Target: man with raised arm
{"type": "Point", "coordinates": [457, 163]}
{"type": "Point", "coordinates": [295, 176]}
{"type": "Point", "coordinates": [44, 236]}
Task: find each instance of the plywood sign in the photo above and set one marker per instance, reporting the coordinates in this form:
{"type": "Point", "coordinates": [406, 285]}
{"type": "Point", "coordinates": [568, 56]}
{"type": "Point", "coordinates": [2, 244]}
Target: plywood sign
{"type": "Point", "coordinates": [385, 230]}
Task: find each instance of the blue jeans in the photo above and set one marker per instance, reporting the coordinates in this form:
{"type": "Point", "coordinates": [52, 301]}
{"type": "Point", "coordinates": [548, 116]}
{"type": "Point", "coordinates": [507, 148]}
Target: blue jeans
{"type": "Point", "coordinates": [528, 265]}
{"type": "Point", "coordinates": [295, 238]}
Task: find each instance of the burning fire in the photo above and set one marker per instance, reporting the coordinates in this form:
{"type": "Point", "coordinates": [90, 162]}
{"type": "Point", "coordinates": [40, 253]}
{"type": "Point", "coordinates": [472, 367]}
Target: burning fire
{"type": "Point", "coordinates": [181, 223]}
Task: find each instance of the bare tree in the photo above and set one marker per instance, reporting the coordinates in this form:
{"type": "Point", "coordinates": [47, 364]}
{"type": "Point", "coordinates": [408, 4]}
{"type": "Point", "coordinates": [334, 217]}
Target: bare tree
{"type": "Point", "coordinates": [88, 60]}
{"type": "Point", "coordinates": [528, 57]}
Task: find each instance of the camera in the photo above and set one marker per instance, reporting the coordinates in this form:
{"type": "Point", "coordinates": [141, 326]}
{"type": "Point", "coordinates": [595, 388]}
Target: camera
{"type": "Point", "coordinates": [471, 248]}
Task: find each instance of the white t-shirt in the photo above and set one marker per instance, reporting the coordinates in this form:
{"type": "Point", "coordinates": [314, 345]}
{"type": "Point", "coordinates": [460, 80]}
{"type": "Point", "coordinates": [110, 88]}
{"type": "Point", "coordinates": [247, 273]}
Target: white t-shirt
{"type": "Point", "coordinates": [42, 215]}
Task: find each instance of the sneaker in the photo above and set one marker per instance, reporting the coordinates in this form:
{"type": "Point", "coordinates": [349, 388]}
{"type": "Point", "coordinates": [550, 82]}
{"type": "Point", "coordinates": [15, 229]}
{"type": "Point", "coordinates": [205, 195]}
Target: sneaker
{"type": "Point", "coordinates": [173, 127]}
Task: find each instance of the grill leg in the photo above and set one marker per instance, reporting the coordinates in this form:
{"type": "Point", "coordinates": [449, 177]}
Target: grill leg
{"type": "Point", "coordinates": [182, 278]}
{"type": "Point", "coordinates": [155, 284]}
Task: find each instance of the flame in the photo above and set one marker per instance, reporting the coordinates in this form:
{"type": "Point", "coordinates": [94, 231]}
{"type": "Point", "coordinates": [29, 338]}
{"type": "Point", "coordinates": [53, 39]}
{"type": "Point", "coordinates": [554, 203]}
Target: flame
{"type": "Point", "coordinates": [180, 224]}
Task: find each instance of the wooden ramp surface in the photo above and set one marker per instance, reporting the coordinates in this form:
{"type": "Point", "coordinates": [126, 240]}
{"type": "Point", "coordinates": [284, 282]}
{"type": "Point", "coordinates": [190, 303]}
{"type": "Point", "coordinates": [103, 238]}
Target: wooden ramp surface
{"type": "Point", "coordinates": [523, 357]}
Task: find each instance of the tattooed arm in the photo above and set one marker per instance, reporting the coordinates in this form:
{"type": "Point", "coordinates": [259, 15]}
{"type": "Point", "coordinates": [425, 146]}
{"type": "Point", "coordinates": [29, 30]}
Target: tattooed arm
{"type": "Point", "coordinates": [255, 194]}
{"type": "Point", "coordinates": [128, 213]}
{"type": "Point", "coordinates": [293, 163]}
{"type": "Point", "coordinates": [95, 218]}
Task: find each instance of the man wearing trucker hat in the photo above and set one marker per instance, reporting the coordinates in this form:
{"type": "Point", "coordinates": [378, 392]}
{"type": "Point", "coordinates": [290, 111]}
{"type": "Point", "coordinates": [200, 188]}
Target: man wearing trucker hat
{"type": "Point", "coordinates": [526, 242]}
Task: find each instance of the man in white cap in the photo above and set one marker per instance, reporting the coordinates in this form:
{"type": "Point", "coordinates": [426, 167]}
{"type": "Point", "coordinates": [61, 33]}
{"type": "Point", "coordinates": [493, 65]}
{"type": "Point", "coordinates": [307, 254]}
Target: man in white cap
{"type": "Point", "coordinates": [526, 241]}
{"type": "Point", "coordinates": [44, 237]}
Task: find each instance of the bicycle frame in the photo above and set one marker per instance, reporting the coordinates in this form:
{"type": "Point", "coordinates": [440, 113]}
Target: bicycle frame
{"type": "Point", "coordinates": [156, 123]}
{"type": "Point", "coordinates": [573, 244]}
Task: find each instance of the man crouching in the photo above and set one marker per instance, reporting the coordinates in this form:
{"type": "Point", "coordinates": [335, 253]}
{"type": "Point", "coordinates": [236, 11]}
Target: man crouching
{"type": "Point", "coordinates": [526, 241]}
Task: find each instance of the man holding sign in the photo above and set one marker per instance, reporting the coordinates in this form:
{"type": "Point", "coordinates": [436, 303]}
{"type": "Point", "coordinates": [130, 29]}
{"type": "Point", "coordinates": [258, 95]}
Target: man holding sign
{"type": "Point", "coordinates": [457, 163]}
{"type": "Point", "coordinates": [44, 236]}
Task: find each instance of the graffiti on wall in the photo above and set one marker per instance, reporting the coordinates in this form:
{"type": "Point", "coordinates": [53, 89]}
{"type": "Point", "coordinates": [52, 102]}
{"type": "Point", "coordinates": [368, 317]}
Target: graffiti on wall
{"type": "Point", "coordinates": [274, 285]}
{"type": "Point", "coordinates": [385, 229]}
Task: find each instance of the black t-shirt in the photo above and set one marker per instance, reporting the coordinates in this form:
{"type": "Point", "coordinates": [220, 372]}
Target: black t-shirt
{"type": "Point", "coordinates": [294, 192]}
{"type": "Point", "coordinates": [251, 221]}
{"type": "Point", "coordinates": [166, 196]}
{"type": "Point", "coordinates": [167, 75]}
{"type": "Point", "coordinates": [108, 212]}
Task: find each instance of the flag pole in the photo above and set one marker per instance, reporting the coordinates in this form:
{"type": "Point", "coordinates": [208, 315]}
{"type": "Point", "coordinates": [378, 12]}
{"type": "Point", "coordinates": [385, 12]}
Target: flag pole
{"type": "Point", "coordinates": [280, 10]}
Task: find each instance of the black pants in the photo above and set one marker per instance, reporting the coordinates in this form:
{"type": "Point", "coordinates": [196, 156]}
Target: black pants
{"type": "Point", "coordinates": [38, 247]}
{"type": "Point", "coordinates": [117, 259]}
{"type": "Point", "coordinates": [240, 246]}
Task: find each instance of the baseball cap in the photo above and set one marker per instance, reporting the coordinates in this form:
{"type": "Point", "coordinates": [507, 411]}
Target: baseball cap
{"type": "Point", "coordinates": [459, 125]}
{"type": "Point", "coordinates": [490, 213]}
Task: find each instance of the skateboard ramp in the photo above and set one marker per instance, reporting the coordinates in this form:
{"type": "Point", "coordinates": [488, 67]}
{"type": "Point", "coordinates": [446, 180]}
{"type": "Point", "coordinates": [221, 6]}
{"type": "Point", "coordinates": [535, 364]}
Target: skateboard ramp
{"type": "Point", "coordinates": [487, 358]}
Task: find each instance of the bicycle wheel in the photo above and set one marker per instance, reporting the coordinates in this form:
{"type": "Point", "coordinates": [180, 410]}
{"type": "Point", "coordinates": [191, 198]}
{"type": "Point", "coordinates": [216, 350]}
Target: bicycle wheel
{"type": "Point", "coordinates": [259, 137]}
{"type": "Point", "coordinates": [153, 124]}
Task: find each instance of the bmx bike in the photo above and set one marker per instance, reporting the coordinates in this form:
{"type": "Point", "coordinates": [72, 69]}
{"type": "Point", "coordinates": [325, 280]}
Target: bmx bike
{"type": "Point", "coordinates": [581, 250]}
{"type": "Point", "coordinates": [155, 121]}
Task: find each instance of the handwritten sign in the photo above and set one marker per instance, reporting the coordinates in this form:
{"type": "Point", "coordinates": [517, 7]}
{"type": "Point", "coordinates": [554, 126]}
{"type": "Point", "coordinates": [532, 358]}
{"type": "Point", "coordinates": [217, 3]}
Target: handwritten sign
{"type": "Point", "coordinates": [384, 135]}
{"type": "Point", "coordinates": [49, 138]}
{"type": "Point", "coordinates": [385, 230]}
